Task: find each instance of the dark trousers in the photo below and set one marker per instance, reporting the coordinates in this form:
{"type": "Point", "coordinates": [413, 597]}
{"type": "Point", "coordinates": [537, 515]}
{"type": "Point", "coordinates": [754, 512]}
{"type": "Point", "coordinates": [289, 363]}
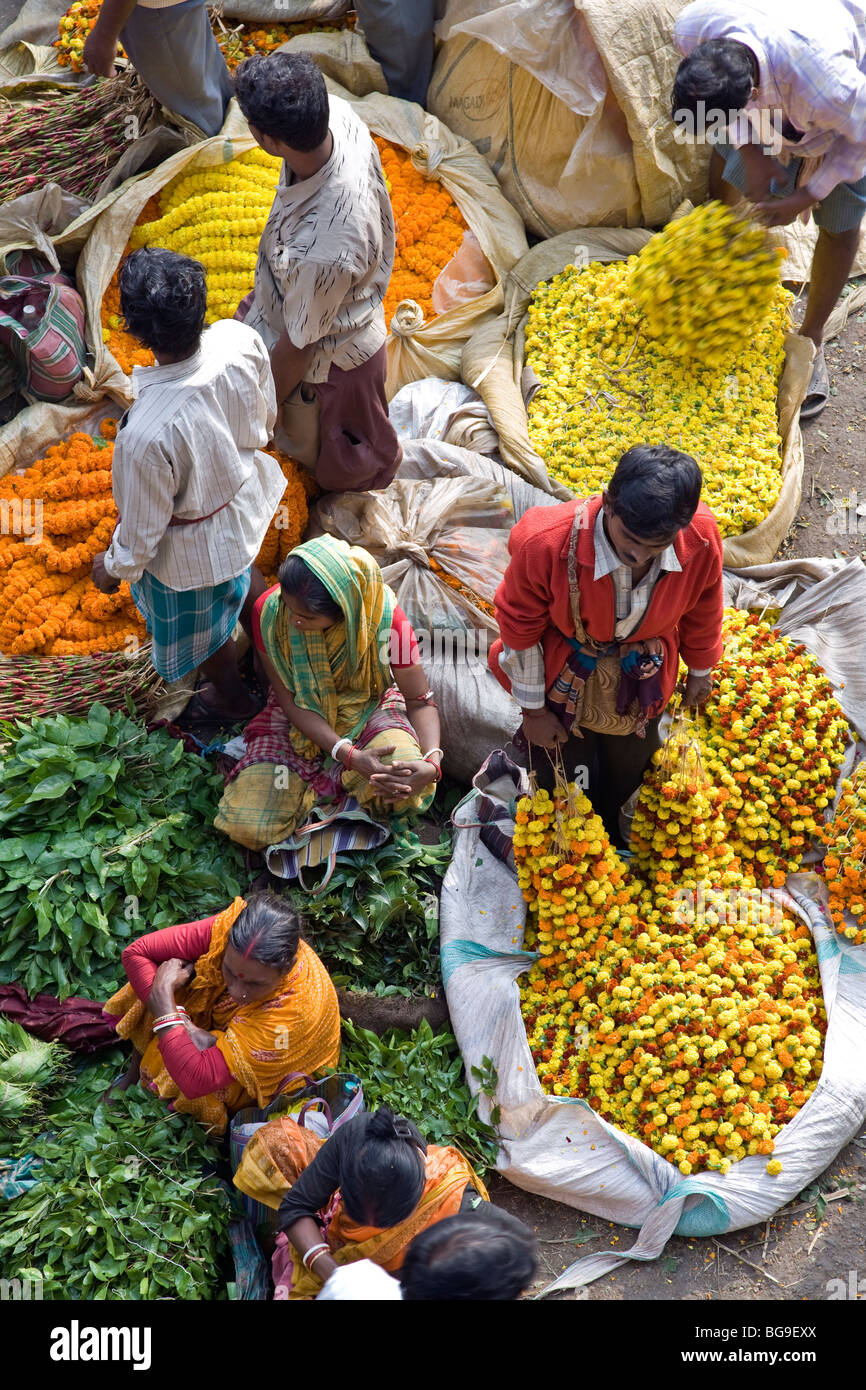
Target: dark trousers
{"type": "Point", "coordinates": [609, 767]}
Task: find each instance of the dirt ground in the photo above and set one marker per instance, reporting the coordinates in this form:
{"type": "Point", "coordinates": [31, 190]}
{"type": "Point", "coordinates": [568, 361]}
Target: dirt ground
{"type": "Point", "coordinates": [817, 1238]}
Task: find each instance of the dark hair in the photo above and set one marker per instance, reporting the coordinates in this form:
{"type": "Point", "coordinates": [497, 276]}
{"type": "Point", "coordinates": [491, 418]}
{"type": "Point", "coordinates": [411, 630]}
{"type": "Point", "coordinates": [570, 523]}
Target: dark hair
{"type": "Point", "coordinates": [268, 930]}
{"type": "Point", "coordinates": [485, 1254]}
{"type": "Point", "coordinates": [655, 490]}
{"type": "Point", "coordinates": [284, 95]}
{"type": "Point", "coordinates": [719, 73]}
{"type": "Point", "coordinates": [382, 1180]}
{"type": "Point", "coordinates": [163, 297]}
{"type": "Point", "coordinates": [298, 581]}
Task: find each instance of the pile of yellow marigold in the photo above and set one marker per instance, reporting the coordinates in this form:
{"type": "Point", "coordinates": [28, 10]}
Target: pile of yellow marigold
{"type": "Point", "coordinates": [700, 1034]}
{"type": "Point", "coordinates": [429, 227]}
{"type": "Point", "coordinates": [217, 216]}
{"type": "Point", "coordinates": [706, 284]}
{"type": "Point", "coordinates": [845, 859]}
{"type": "Point", "coordinates": [606, 384]}
{"type": "Point", "coordinates": [773, 737]}
{"type": "Point", "coordinates": [49, 605]}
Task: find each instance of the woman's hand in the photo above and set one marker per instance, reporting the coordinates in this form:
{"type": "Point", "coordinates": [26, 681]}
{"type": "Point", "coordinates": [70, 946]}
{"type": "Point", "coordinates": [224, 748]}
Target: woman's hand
{"type": "Point", "coordinates": [416, 773]}
{"type": "Point", "coordinates": [380, 774]}
{"type": "Point", "coordinates": [200, 1036]}
{"type": "Point", "coordinates": [171, 975]}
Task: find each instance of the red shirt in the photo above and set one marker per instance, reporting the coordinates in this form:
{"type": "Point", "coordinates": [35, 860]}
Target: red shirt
{"type": "Point", "coordinates": [196, 1073]}
{"type": "Point", "coordinates": [533, 602]}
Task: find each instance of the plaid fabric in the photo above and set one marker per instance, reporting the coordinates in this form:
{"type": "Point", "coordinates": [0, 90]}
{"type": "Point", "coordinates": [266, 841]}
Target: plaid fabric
{"type": "Point", "coordinates": [42, 326]}
{"type": "Point", "coordinates": [18, 1175]}
{"type": "Point", "coordinates": [188, 625]}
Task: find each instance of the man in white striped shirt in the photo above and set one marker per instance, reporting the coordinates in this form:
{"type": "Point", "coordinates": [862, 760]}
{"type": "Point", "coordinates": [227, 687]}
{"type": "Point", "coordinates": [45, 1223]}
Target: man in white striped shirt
{"type": "Point", "coordinates": [194, 491]}
{"type": "Point", "coordinates": [172, 47]}
{"type": "Point", "coordinates": [798, 69]}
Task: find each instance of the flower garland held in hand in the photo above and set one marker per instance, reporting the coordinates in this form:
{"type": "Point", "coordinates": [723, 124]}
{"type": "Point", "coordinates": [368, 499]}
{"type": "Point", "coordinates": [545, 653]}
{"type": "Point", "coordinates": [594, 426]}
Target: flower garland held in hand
{"type": "Point", "coordinates": [605, 383]}
{"type": "Point", "coordinates": [773, 735]}
{"type": "Point", "coordinates": [702, 1040]}
{"type": "Point", "coordinates": [48, 603]}
{"type": "Point", "coordinates": [429, 227]}
{"type": "Point", "coordinates": [845, 860]}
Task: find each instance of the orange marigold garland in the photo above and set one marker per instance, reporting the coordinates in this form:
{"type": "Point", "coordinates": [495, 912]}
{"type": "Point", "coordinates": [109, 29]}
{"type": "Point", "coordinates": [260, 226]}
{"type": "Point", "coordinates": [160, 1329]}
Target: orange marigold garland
{"type": "Point", "coordinates": [289, 521]}
{"type": "Point", "coordinates": [429, 225]}
{"type": "Point", "coordinates": [48, 603]}
{"type": "Point", "coordinates": [126, 350]}
{"type": "Point", "coordinates": [845, 860]}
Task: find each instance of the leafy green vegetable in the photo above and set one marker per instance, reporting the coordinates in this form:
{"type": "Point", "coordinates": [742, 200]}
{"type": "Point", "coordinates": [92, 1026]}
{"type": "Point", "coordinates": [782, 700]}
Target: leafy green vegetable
{"type": "Point", "coordinates": [105, 833]}
{"type": "Point", "coordinates": [127, 1206]}
{"type": "Point", "coordinates": [420, 1075]}
{"type": "Point", "coordinates": [377, 926]}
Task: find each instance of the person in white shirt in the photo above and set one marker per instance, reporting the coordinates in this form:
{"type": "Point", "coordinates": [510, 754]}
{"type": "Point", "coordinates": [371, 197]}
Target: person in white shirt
{"type": "Point", "coordinates": [325, 260]}
{"type": "Point", "coordinates": [172, 47]}
{"type": "Point", "coordinates": [194, 491]}
{"type": "Point", "coordinates": [798, 70]}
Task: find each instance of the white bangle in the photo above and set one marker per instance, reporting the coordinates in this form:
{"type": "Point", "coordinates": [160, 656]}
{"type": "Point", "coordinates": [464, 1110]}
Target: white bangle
{"type": "Point", "coordinates": [338, 745]}
{"type": "Point", "coordinates": [425, 757]}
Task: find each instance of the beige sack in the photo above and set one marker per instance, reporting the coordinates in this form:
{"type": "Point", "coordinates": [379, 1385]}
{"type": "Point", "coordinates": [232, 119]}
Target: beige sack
{"type": "Point", "coordinates": [493, 366]}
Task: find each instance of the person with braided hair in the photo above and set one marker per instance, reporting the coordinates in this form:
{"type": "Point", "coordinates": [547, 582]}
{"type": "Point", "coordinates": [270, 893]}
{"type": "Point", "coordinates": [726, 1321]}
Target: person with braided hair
{"type": "Point", "coordinates": [364, 1193]}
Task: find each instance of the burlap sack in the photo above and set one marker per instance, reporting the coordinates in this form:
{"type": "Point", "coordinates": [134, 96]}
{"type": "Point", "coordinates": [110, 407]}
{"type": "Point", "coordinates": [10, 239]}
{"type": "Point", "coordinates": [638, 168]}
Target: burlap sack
{"type": "Point", "coordinates": [493, 366]}
{"type": "Point", "coordinates": [560, 149]}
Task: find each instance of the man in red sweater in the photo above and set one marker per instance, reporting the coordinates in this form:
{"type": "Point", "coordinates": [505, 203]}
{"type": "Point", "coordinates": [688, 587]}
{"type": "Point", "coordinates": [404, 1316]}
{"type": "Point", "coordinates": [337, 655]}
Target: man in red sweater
{"type": "Point", "coordinates": [600, 600]}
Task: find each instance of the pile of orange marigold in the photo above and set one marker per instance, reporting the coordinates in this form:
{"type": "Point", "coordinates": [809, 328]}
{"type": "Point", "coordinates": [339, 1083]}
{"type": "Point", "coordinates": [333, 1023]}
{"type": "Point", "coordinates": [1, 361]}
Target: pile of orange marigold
{"type": "Point", "coordinates": [290, 519]}
{"type": "Point", "coordinates": [49, 605]}
{"type": "Point", "coordinates": [429, 226]}
{"type": "Point", "coordinates": [845, 860]}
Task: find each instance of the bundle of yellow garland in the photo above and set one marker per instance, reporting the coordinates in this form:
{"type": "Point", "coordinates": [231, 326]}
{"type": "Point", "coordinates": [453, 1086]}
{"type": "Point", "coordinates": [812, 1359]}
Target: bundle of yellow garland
{"type": "Point", "coordinates": [845, 860]}
{"type": "Point", "coordinates": [48, 603]}
{"type": "Point", "coordinates": [707, 283]}
{"type": "Point", "coordinates": [429, 227]}
{"type": "Point", "coordinates": [701, 1039]}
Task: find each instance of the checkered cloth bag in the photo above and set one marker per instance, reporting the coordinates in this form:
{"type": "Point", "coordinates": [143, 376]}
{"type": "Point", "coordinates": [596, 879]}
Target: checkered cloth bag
{"type": "Point", "coordinates": [41, 327]}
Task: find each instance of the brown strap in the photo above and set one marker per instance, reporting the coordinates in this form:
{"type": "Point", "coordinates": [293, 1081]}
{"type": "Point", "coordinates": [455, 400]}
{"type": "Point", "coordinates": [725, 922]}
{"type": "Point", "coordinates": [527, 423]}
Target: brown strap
{"type": "Point", "coordinates": [192, 520]}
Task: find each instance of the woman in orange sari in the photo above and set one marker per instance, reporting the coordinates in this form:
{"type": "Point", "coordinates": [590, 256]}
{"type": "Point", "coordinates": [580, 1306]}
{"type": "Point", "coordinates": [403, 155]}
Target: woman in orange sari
{"type": "Point", "coordinates": [363, 1194]}
{"type": "Point", "coordinates": [220, 1012]}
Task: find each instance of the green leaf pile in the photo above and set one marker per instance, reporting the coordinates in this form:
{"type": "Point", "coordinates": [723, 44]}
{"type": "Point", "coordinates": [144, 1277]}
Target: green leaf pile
{"type": "Point", "coordinates": [377, 926]}
{"type": "Point", "coordinates": [420, 1076]}
{"type": "Point", "coordinates": [127, 1206]}
{"type": "Point", "coordinates": [106, 831]}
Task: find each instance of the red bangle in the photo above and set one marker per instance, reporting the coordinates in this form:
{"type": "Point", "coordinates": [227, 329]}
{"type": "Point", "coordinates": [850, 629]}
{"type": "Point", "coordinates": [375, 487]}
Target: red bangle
{"type": "Point", "coordinates": [352, 750]}
{"type": "Point", "coordinates": [437, 768]}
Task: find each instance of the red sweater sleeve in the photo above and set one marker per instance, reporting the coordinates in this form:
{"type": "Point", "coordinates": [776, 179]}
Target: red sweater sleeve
{"type": "Point", "coordinates": [142, 958]}
{"type": "Point", "coordinates": [523, 599]}
{"type": "Point", "coordinates": [700, 627]}
{"type": "Point", "coordinates": [257, 617]}
{"type": "Point", "coordinates": [196, 1073]}
{"type": "Point", "coordinates": [404, 643]}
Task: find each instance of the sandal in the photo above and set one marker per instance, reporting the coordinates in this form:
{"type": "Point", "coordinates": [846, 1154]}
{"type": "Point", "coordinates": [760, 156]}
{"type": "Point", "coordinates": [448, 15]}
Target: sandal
{"type": "Point", "coordinates": [818, 392]}
{"type": "Point", "coordinates": [199, 714]}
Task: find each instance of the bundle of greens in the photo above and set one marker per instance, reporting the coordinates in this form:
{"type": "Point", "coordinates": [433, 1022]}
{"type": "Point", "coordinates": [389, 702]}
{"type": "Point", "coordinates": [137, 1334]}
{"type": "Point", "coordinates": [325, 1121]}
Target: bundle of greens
{"type": "Point", "coordinates": [105, 833]}
{"type": "Point", "coordinates": [377, 926]}
{"type": "Point", "coordinates": [420, 1076]}
{"type": "Point", "coordinates": [27, 1066]}
{"type": "Point", "coordinates": [126, 1206]}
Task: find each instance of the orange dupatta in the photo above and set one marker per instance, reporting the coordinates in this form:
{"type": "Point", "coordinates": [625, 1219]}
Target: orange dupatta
{"type": "Point", "coordinates": [297, 1028]}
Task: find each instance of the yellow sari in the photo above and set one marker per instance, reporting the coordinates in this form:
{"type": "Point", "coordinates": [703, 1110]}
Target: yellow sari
{"type": "Point", "coordinates": [296, 1028]}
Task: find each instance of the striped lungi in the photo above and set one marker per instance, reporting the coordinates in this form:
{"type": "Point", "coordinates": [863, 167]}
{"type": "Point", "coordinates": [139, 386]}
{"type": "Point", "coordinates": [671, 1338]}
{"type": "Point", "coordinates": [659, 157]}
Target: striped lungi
{"type": "Point", "coordinates": [187, 626]}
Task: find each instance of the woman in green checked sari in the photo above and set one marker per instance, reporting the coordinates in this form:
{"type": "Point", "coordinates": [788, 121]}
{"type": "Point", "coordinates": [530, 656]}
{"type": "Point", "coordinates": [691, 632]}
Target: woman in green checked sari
{"type": "Point", "coordinates": [349, 712]}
